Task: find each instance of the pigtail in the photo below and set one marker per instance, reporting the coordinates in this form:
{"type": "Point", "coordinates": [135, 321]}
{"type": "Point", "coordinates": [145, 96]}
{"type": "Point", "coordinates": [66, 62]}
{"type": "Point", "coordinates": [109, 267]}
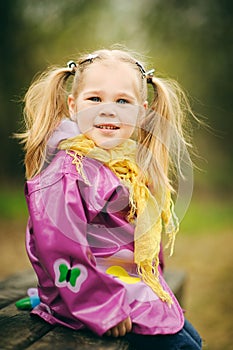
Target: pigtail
{"type": "Point", "coordinates": [45, 106]}
{"type": "Point", "coordinates": [161, 133]}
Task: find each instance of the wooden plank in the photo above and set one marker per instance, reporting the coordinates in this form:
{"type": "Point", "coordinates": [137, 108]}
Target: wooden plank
{"type": "Point", "coordinates": [15, 287]}
{"type": "Point", "coordinates": [18, 329]}
{"type": "Point", "coordinates": [61, 338]}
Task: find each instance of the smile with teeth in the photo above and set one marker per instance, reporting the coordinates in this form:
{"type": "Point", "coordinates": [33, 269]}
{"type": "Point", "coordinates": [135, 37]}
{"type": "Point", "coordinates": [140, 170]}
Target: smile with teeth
{"type": "Point", "coordinates": [107, 126]}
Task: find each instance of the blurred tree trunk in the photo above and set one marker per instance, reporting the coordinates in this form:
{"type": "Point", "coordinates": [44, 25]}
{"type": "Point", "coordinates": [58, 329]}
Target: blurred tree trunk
{"type": "Point", "coordinates": [26, 29]}
{"type": "Point", "coordinates": [15, 64]}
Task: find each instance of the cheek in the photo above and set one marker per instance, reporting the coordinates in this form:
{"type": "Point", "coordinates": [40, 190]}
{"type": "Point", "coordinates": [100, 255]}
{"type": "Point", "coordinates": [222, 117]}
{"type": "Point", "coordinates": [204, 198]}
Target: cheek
{"type": "Point", "coordinates": [86, 116]}
{"type": "Point", "coordinates": [129, 115]}
{"type": "Point", "coordinates": [130, 123]}
{"type": "Point", "coordinates": [84, 124]}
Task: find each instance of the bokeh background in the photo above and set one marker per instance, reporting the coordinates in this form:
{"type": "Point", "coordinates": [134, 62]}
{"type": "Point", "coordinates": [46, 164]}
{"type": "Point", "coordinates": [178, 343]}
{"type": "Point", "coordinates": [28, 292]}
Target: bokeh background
{"type": "Point", "coordinates": [190, 41]}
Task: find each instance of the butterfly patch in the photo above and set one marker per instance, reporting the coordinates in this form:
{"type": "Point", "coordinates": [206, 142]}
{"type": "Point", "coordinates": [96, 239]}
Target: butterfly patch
{"type": "Point", "coordinates": [70, 277]}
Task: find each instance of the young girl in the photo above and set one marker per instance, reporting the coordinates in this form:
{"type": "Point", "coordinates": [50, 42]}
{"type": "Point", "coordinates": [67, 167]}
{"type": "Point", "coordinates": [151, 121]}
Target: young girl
{"type": "Point", "coordinates": [98, 191]}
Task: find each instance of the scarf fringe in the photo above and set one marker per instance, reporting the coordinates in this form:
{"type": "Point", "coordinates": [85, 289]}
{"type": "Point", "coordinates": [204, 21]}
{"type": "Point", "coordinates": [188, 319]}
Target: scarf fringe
{"type": "Point", "coordinates": [171, 223]}
{"type": "Point", "coordinates": [150, 276]}
{"type": "Point", "coordinates": [77, 161]}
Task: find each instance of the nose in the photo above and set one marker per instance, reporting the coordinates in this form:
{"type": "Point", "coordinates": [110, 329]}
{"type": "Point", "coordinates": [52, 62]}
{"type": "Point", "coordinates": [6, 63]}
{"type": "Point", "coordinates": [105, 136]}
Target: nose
{"type": "Point", "coordinates": [107, 111]}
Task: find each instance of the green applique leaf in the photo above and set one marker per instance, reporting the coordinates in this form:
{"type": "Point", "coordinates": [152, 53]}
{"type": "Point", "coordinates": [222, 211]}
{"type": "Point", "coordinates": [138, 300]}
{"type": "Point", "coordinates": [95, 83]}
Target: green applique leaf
{"type": "Point", "coordinates": [74, 275]}
{"type": "Point", "coordinates": [63, 272]}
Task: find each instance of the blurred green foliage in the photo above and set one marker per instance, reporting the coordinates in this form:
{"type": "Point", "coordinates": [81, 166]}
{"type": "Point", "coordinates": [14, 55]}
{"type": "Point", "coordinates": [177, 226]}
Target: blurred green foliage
{"type": "Point", "coordinates": [12, 204]}
{"type": "Point", "coordinates": [190, 41]}
{"type": "Point", "coordinates": [208, 216]}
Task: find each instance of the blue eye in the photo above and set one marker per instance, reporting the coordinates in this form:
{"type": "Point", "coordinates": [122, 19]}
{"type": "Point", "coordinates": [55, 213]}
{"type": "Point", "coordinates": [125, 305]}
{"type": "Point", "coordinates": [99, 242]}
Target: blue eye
{"type": "Point", "coordinates": [94, 99]}
{"type": "Point", "coordinates": [122, 101]}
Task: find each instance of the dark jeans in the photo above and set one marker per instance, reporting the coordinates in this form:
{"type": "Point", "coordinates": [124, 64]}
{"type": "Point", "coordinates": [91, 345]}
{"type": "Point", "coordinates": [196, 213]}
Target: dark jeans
{"type": "Point", "coordinates": [186, 339]}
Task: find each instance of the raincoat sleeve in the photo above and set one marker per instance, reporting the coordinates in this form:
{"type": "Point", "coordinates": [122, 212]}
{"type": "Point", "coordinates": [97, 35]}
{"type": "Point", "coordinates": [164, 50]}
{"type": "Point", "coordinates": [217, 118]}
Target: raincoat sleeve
{"type": "Point", "coordinates": [69, 283]}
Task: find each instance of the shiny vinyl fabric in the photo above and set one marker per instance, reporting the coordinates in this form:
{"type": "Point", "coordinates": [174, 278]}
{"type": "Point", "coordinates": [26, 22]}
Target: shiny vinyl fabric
{"type": "Point", "coordinates": [81, 248]}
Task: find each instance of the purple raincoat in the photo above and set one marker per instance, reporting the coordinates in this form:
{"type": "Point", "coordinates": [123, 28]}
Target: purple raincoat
{"type": "Point", "coordinates": [81, 248]}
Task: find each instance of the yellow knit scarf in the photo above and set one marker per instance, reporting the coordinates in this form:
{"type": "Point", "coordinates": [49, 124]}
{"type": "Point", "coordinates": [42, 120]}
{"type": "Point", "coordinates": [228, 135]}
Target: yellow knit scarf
{"type": "Point", "coordinates": [143, 205]}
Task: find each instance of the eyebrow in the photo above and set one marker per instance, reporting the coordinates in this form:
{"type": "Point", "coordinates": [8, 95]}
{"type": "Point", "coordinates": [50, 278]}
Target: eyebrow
{"type": "Point", "coordinates": [124, 94]}
{"type": "Point", "coordinates": [92, 92]}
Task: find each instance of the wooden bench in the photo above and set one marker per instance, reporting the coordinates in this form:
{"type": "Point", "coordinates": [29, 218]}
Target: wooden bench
{"type": "Point", "coordinates": [19, 330]}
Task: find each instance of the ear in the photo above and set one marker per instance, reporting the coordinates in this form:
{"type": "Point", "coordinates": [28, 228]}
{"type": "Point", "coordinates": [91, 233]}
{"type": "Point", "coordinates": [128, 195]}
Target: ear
{"type": "Point", "coordinates": [145, 104]}
{"type": "Point", "coordinates": [71, 106]}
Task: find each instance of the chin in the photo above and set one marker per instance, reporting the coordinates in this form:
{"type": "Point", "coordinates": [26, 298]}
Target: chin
{"type": "Point", "coordinates": [109, 144]}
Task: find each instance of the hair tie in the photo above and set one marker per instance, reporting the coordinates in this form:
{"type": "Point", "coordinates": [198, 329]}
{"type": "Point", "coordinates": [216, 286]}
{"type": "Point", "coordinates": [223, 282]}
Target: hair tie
{"type": "Point", "coordinates": [72, 65]}
{"type": "Point", "coordinates": [89, 58]}
{"type": "Point", "coordinates": [149, 75]}
{"type": "Point", "coordinates": [141, 68]}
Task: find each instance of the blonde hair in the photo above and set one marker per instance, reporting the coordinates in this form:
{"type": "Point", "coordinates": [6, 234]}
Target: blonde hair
{"type": "Point", "coordinates": [46, 106]}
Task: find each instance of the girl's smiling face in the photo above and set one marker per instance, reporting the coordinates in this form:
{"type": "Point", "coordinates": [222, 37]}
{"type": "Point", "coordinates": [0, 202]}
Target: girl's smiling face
{"type": "Point", "coordinates": [108, 102]}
